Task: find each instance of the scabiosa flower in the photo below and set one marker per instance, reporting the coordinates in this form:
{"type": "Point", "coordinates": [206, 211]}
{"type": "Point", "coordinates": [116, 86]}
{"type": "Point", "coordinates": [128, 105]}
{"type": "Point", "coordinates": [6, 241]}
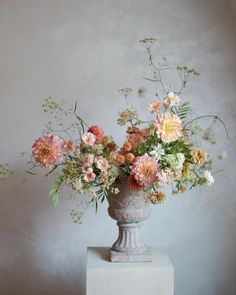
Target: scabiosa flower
{"type": "Point", "coordinates": [169, 127]}
{"type": "Point", "coordinates": [199, 156]}
{"type": "Point", "coordinates": [88, 139]}
{"type": "Point", "coordinates": [102, 163]}
{"type": "Point", "coordinates": [89, 175]}
{"type": "Point", "coordinates": [145, 170]}
{"type": "Point", "coordinates": [171, 99]}
{"type": "Point", "coordinates": [47, 150]}
{"type": "Point", "coordinates": [157, 197]}
{"type": "Point", "coordinates": [98, 132]}
{"type": "Point", "coordinates": [69, 146]}
{"type": "Point", "coordinates": [155, 106]}
{"type": "Point", "coordinates": [133, 184]}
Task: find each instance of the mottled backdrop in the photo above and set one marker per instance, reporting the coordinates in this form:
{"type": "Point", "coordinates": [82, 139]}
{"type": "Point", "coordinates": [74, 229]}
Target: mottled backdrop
{"type": "Point", "coordinates": [86, 50]}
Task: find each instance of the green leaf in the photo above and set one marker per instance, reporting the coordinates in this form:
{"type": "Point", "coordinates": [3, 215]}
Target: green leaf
{"type": "Point", "coordinates": [55, 199]}
{"type": "Point", "coordinates": [29, 172]}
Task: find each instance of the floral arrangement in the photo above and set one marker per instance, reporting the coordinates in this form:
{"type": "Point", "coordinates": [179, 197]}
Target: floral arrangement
{"type": "Point", "coordinates": [155, 153]}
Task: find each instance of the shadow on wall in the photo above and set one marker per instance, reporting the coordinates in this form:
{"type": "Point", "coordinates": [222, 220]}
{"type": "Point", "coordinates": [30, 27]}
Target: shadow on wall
{"type": "Point", "coordinates": [37, 252]}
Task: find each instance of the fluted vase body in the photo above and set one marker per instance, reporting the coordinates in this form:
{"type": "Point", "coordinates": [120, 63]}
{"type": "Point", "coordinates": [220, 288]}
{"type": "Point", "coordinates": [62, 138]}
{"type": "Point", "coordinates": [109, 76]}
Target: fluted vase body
{"type": "Point", "coordinates": [129, 209]}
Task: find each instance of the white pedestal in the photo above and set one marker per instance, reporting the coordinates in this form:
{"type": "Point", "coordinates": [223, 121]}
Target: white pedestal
{"type": "Point", "coordinates": [137, 278]}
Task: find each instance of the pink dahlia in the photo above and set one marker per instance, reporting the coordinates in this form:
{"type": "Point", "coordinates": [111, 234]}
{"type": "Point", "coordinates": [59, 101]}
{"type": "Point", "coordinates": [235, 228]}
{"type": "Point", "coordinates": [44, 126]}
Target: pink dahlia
{"type": "Point", "coordinates": [98, 132]}
{"type": "Point", "coordinates": [47, 150]}
{"type": "Point", "coordinates": [169, 127]}
{"type": "Point", "coordinates": [145, 170]}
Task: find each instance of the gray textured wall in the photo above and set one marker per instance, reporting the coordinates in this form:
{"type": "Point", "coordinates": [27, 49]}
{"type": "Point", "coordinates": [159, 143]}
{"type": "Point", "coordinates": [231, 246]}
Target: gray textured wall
{"type": "Point", "coordinates": [87, 50]}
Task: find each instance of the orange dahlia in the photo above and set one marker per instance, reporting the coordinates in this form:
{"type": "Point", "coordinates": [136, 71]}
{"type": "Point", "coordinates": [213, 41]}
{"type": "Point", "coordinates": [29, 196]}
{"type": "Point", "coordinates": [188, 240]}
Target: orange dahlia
{"type": "Point", "coordinates": [98, 132]}
{"type": "Point", "coordinates": [47, 150]}
{"type": "Point", "coordinates": [133, 184]}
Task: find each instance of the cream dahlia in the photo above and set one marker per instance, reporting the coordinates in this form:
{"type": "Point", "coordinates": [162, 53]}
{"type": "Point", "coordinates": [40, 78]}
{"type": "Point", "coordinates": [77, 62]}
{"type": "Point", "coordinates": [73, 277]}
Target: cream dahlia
{"type": "Point", "coordinates": [169, 127]}
{"type": "Point", "coordinates": [98, 132]}
{"type": "Point", "coordinates": [145, 170]}
{"type": "Point", "coordinates": [47, 150]}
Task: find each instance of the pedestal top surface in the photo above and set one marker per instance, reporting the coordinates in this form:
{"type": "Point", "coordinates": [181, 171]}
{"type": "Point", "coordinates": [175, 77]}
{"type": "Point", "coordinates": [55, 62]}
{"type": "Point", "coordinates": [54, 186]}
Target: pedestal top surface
{"type": "Point", "coordinates": [98, 258]}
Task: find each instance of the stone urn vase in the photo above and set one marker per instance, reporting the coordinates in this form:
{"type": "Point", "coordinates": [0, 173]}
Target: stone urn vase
{"type": "Point", "coordinates": [129, 209]}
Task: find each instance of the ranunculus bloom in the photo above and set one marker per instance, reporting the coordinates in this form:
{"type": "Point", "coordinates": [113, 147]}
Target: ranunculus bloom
{"type": "Point", "coordinates": [47, 150]}
{"type": "Point", "coordinates": [88, 139]}
{"type": "Point", "coordinates": [131, 130]}
{"type": "Point", "coordinates": [119, 159]}
{"type": "Point", "coordinates": [169, 127]}
{"type": "Point", "coordinates": [130, 157]}
{"type": "Point", "coordinates": [98, 132]}
{"type": "Point", "coordinates": [135, 139]}
{"type": "Point", "coordinates": [69, 146]}
{"type": "Point", "coordinates": [145, 170]}
{"type": "Point", "coordinates": [127, 146]}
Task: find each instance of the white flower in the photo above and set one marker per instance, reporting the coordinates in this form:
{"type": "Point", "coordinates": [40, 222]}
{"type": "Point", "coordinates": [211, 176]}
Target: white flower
{"type": "Point", "coordinates": [102, 164]}
{"type": "Point", "coordinates": [223, 155]}
{"type": "Point", "coordinates": [171, 99]}
{"type": "Point", "coordinates": [77, 184]}
{"type": "Point", "coordinates": [164, 177]}
{"type": "Point", "coordinates": [209, 178]}
{"type": "Point", "coordinates": [157, 152]}
{"type": "Point", "coordinates": [176, 161]}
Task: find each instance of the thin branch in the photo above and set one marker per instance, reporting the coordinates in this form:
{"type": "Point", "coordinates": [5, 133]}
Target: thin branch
{"type": "Point", "coordinates": [210, 116]}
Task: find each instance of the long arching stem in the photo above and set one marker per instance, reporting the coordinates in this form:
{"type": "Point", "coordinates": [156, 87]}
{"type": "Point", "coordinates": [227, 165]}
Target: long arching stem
{"type": "Point", "coordinates": [210, 116]}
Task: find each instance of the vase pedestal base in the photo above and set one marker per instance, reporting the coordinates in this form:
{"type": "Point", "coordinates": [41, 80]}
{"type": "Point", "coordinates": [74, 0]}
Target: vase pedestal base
{"type": "Point", "coordinates": [144, 256]}
{"type": "Point", "coordinates": [107, 278]}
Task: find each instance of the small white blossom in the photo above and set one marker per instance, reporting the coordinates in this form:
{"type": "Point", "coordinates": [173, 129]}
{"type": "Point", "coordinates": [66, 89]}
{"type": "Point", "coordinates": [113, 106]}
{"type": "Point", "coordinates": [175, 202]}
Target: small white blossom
{"type": "Point", "coordinates": [209, 178]}
{"type": "Point", "coordinates": [171, 99]}
{"type": "Point", "coordinates": [176, 161]}
{"type": "Point", "coordinates": [157, 152]}
{"type": "Point", "coordinates": [223, 155]}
